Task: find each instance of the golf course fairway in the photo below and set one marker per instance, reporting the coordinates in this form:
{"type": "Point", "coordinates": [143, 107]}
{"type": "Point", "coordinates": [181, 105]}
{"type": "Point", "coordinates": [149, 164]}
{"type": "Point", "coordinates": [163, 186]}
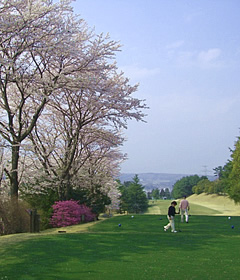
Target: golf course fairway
{"type": "Point", "coordinates": [206, 248]}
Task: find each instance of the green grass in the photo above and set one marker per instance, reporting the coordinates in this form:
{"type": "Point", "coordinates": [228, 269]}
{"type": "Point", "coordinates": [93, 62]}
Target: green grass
{"type": "Point", "coordinates": [206, 248]}
{"type": "Point", "coordinates": [223, 204]}
{"type": "Point", "coordinates": [204, 208]}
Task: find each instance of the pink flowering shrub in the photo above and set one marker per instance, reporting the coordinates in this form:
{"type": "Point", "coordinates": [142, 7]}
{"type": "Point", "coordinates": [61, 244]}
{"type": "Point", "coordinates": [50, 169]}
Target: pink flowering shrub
{"type": "Point", "coordinates": [69, 212]}
{"type": "Point", "coordinates": [86, 211]}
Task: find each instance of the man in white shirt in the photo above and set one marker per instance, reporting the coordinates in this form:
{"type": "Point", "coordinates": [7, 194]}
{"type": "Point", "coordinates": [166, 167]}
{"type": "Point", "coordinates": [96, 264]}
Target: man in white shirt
{"type": "Point", "coordinates": [184, 208]}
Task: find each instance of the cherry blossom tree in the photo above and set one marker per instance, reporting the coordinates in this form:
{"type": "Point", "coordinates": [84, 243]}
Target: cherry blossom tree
{"type": "Point", "coordinates": [94, 161]}
{"type": "Point", "coordinates": [33, 34]}
{"type": "Point", "coordinates": [50, 60]}
{"type": "Point", "coordinates": [84, 125]}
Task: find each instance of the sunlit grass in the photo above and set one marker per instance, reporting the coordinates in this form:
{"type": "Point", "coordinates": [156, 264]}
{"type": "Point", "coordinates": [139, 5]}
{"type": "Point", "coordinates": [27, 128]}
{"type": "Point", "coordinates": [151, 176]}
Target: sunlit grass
{"type": "Point", "coordinates": [221, 203]}
{"type": "Point", "coordinates": [206, 248]}
{"type": "Point", "coordinates": [202, 204]}
{"type": "Point", "coordinates": [161, 207]}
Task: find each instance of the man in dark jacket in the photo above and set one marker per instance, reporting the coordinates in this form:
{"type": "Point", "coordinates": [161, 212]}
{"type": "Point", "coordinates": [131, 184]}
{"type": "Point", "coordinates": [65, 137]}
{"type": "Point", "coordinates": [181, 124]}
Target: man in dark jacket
{"type": "Point", "coordinates": [170, 216]}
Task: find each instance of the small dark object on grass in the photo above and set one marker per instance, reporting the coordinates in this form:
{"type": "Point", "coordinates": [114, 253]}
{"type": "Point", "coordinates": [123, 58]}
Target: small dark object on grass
{"type": "Point", "coordinates": [119, 225]}
{"type": "Point", "coordinates": [160, 218]}
{"type": "Point", "coordinates": [232, 227]}
{"type": "Point", "coordinates": [62, 231]}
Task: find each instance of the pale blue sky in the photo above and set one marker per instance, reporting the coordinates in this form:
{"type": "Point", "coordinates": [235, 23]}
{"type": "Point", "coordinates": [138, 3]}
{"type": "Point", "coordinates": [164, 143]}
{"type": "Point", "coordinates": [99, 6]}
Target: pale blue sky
{"type": "Point", "coordinates": [186, 56]}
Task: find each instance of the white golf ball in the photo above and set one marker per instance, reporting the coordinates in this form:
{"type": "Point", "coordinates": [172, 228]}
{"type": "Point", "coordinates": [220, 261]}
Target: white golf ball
{"type": "Point", "coordinates": [229, 218]}
{"type": "Point", "coordinates": [132, 216]}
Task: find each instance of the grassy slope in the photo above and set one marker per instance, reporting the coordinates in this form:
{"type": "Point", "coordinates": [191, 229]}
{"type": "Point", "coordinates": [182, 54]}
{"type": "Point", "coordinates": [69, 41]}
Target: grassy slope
{"type": "Point", "coordinates": [202, 204]}
{"type": "Point", "coordinates": [222, 204]}
{"type": "Point", "coordinates": [15, 238]}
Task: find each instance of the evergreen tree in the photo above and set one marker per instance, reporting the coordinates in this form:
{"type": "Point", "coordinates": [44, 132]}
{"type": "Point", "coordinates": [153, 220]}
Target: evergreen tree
{"type": "Point", "coordinates": [167, 193]}
{"type": "Point", "coordinates": [133, 198]}
{"type": "Point", "coordinates": [156, 193]}
{"type": "Point", "coordinates": [162, 193]}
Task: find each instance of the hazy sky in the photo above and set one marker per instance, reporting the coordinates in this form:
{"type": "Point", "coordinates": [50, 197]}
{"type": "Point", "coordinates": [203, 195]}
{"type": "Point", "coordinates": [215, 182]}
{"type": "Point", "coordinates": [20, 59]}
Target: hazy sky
{"type": "Point", "coordinates": [186, 56]}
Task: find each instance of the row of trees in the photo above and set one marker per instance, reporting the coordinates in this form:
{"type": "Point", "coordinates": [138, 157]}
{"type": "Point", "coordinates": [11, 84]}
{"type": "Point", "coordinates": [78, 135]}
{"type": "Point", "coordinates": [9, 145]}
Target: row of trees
{"type": "Point", "coordinates": [227, 179]}
{"type": "Point", "coordinates": [159, 194]}
{"type": "Point", "coordinates": [185, 185]}
{"type": "Point", "coordinates": [63, 105]}
{"type": "Point", "coordinates": [194, 184]}
{"type": "Point", "coordinates": [209, 187]}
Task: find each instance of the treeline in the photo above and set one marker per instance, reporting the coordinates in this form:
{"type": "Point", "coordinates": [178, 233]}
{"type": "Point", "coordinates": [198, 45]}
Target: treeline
{"type": "Point", "coordinates": [227, 179]}
{"type": "Point", "coordinates": [195, 185]}
{"type": "Point", "coordinates": [185, 185]}
{"type": "Point", "coordinates": [159, 194]}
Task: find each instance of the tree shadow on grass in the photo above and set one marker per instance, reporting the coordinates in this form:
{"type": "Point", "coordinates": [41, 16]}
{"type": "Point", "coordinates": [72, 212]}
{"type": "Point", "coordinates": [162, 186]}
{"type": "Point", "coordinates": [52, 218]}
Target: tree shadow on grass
{"type": "Point", "coordinates": [95, 254]}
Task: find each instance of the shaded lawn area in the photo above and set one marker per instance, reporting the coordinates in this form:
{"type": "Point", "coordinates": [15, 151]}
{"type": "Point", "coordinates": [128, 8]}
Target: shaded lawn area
{"type": "Point", "coordinates": [207, 248]}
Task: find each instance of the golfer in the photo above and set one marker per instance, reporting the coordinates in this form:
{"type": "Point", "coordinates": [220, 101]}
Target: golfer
{"type": "Point", "coordinates": [170, 216]}
{"type": "Point", "coordinates": [184, 208]}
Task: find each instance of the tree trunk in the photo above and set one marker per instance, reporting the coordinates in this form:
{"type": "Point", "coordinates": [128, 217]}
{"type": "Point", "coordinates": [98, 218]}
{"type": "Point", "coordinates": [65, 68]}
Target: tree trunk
{"type": "Point", "coordinates": [14, 171]}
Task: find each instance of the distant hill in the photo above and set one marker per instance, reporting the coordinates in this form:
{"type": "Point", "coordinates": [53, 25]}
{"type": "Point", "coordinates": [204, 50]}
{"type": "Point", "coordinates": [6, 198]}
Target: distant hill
{"type": "Point", "coordinates": [156, 180]}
